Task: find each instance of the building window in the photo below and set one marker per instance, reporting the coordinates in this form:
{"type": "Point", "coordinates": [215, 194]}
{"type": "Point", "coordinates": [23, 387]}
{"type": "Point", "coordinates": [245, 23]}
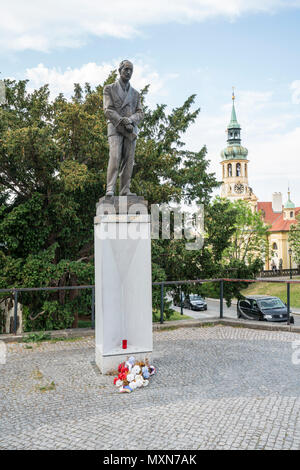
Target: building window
{"type": "Point", "coordinates": [238, 169]}
{"type": "Point", "coordinates": [291, 215]}
{"type": "Point", "coordinates": [246, 170]}
{"type": "Point", "coordinates": [229, 169]}
{"type": "Point", "coordinates": [274, 246]}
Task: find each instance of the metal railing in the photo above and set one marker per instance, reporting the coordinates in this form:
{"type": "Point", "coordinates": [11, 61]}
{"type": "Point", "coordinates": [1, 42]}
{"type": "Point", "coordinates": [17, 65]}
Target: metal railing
{"type": "Point", "coordinates": [162, 285]}
{"type": "Point", "coordinates": [16, 290]}
{"type": "Point", "coordinates": [221, 281]}
{"type": "Point", "coordinates": [280, 272]}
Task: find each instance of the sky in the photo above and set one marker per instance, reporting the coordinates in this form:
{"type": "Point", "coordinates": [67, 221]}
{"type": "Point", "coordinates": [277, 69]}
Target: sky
{"type": "Point", "coordinates": [183, 47]}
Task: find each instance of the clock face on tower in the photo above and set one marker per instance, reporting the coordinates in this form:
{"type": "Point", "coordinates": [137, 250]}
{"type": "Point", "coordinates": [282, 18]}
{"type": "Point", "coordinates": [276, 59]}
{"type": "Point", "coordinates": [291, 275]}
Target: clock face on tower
{"type": "Point", "coordinates": [239, 188]}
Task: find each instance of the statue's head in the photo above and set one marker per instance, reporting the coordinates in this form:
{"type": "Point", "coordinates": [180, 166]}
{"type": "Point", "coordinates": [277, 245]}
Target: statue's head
{"type": "Point", "coordinates": [125, 70]}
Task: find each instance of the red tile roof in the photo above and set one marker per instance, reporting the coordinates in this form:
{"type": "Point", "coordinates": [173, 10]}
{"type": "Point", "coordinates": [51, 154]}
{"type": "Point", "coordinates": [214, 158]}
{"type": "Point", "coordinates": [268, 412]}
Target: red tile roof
{"type": "Point", "coordinates": [275, 219]}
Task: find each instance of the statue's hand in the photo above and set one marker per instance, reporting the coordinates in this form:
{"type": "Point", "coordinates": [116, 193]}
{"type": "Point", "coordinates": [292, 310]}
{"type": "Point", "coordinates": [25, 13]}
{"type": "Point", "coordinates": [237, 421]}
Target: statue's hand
{"type": "Point", "coordinates": [126, 121]}
{"type": "Point", "coordinates": [129, 128]}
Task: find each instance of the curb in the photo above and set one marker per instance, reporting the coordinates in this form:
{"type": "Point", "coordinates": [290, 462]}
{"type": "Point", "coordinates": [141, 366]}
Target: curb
{"type": "Point", "coordinates": [70, 333]}
{"type": "Point", "coordinates": [171, 325]}
{"type": "Point", "coordinates": [228, 322]}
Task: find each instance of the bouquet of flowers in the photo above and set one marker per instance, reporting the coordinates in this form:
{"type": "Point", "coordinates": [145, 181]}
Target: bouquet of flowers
{"type": "Point", "coordinates": [133, 374]}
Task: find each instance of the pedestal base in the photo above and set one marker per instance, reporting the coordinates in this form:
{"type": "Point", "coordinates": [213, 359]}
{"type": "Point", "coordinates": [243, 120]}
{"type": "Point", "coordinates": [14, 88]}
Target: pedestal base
{"type": "Point", "coordinates": [109, 363]}
{"type": "Point", "coordinates": [123, 287]}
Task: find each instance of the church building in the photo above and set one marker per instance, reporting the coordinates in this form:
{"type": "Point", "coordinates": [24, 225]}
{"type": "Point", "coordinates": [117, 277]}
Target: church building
{"type": "Point", "coordinates": [235, 186]}
{"type": "Point", "coordinates": [235, 164]}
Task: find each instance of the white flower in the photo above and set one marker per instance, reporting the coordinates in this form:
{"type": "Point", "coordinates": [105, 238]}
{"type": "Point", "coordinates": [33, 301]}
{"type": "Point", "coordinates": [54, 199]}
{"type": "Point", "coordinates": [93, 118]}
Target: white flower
{"type": "Point", "coordinates": [135, 370]}
{"type": "Point", "coordinates": [139, 380]}
{"type": "Point", "coordinates": [130, 377]}
{"type": "Point", "coordinates": [133, 385]}
{"type": "Point", "coordinates": [146, 382]}
{"type": "Point", "coordinates": [128, 365]}
{"type": "Point", "coordinates": [119, 383]}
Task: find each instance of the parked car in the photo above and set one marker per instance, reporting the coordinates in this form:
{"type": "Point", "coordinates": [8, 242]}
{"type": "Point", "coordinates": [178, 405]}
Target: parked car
{"type": "Point", "coordinates": [194, 302]}
{"type": "Point", "coordinates": [263, 307]}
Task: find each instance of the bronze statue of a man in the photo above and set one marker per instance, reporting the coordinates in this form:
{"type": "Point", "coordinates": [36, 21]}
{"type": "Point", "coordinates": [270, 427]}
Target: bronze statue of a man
{"type": "Point", "coordinates": [123, 110]}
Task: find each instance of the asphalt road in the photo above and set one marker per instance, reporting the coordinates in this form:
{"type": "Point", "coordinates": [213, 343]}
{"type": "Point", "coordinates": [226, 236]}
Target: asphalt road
{"type": "Point", "coordinates": [213, 311]}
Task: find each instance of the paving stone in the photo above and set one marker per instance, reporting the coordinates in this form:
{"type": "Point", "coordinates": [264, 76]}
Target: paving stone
{"type": "Point", "coordinates": [216, 387]}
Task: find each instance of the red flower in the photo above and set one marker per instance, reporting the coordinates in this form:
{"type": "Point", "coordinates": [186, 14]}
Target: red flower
{"type": "Point", "coordinates": [121, 366]}
{"type": "Point", "coordinates": [115, 379]}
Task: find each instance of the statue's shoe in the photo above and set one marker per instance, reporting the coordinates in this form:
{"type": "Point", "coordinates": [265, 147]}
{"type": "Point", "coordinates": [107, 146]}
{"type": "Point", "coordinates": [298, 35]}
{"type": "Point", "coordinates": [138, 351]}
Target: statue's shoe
{"type": "Point", "coordinates": [109, 193]}
{"type": "Point", "coordinates": [128, 194]}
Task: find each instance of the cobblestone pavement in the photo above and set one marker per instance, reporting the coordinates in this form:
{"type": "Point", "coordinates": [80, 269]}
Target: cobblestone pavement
{"type": "Point", "coordinates": [216, 388]}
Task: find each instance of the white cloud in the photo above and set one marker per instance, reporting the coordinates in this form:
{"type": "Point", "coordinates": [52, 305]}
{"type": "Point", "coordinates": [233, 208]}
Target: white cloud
{"type": "Point", "coordinates": [275, 165]}
{"type": "Point", "coordinates": [295, 87]}
{"type": "Point", "coordinates": [68, 23]}
{"type": "Point", "coordinates": [250, 99]}
{"type": "Point", "coordinates": [278, 157]}
{"type": "Point", "coordinates": [62, 81]}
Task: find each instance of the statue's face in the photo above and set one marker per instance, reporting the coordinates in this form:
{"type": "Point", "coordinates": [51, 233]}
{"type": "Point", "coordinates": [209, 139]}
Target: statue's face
{"type": "Point", "coordinates": [126, 72]}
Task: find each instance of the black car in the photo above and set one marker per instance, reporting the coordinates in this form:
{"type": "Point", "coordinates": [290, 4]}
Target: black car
{"type": "Point", "coordinates": [262, 307]}
{"type": "Point", "coordinates": [194, 302]}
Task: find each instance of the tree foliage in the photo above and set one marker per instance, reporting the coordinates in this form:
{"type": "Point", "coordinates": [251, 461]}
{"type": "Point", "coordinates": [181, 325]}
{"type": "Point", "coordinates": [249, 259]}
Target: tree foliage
{"type": "Point", "coordinates": [294, 240]}
{"type": "Point", "coordinates": [53, 160]}
{"type": "Point", "coordinates": [234, 247]}
{"type": "Point", "coordinates": [250, 238]}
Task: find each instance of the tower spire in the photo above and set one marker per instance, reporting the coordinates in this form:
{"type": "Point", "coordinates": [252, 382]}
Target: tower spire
{"type": "Point", "coordinates": [289, 204]}
{"type": "Point", "coordinates": [234, 163]}
{"type": "Point", "coordinates": [234, 149]}
{"type": "Point", "coordinates": [233, 129]}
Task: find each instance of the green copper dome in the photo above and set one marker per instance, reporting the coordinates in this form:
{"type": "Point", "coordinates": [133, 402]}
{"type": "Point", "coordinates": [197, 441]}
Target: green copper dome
{"type": "Point", "coordinates": [289, 204]}
{"type": "Point", "coordinates": [234, 152]}
{"type": "Point", "coordinates": [234, 149]}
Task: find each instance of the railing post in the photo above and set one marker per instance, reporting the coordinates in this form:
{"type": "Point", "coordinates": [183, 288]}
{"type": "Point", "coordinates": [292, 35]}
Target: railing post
{"type": "Point", "coordinates": [288, 302]}
{"type": "Point", "coordinates": [15, 310]}
{"type": "Point", "coordinates": [221, 298]}
{"type": "Point", "coordinates": [162, 303]}
{"type": "Point", "coordinates": [93, 308]}
{"type": "Point", "coordinates": [181, 304]}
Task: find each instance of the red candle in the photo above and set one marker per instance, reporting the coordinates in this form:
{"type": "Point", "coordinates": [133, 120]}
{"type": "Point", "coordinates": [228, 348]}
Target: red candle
{"type": "Point", "coordinates": [124, 344]}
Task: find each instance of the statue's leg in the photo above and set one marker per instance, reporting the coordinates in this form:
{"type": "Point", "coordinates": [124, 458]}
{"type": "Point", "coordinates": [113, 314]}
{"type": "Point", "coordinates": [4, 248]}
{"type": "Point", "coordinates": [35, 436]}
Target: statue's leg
{"type": "Point", "coordinates": [115, 154]}
{"type": "Point", "coordinates": [126, 166]}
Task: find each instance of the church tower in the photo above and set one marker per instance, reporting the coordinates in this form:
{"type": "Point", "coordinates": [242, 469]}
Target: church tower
{"type": "Point", "coordinates": [235, 164]}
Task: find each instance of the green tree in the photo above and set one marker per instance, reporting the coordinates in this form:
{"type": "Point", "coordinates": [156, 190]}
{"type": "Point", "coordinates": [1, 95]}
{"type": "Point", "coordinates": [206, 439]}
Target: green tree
{"type": "Point", "coordinates": [294, 240]}
{"type": "Point", "coordinates": [249, 241]}
{"type": "Point", "coordinates": [235, 246]}
{"type": "Point", "coordinates": [53, 160]}
{"type": "Point", "coordinates": [245, 255]}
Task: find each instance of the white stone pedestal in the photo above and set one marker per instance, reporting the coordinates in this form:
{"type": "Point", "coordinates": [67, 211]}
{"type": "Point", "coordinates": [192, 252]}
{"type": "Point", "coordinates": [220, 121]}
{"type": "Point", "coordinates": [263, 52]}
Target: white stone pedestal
{"type": "Point", "coordinates": [123, 288]}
